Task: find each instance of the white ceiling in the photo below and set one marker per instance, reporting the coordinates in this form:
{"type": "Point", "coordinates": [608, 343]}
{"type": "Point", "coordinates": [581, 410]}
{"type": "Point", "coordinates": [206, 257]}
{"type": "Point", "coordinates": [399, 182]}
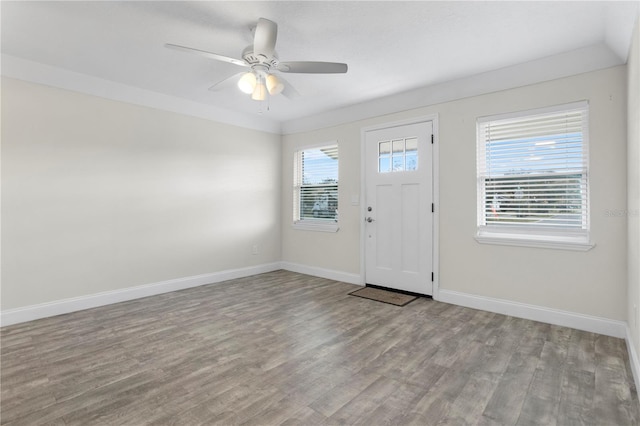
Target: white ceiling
{"type": "Point", "coordinates": [390, 46]}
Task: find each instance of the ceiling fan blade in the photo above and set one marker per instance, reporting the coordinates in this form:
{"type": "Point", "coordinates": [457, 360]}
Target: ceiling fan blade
{"type": "Point", "coordinates": [207, 54]}
{"type": "Point", "coordinates": [289, 91]}
{"type": "Point", "coordinates": [264, 40]}
{"type": "Point", "coordinates": [227, 82]}
{"type": "Point", "coordinates": [312, 67]}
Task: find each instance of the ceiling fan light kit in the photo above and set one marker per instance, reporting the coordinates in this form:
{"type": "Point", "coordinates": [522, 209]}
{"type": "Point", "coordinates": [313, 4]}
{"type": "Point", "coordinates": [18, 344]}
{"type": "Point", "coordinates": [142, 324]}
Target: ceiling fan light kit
{"type": "Point", "coordinates": [262, 59]}
{"type": "Point", "coordinates": [254, 82]}
{"type": "Point", "coordinates": [260, 92]}
{"type": "Point", "coordinates": [274, 86]}
{"type": "Point", "coordinates": [247, 83]}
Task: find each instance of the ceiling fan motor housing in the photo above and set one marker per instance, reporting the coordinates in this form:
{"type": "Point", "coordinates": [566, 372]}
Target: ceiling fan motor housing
{"type": "Point", "coordinates": [252, 59]}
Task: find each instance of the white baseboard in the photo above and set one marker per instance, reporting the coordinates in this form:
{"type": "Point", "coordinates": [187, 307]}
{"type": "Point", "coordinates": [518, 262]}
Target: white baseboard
{"type": "Point", "coordinates": [583, 322]}
{"type": "Point", "coordinates": [633, 359]}
{"type": "Point", "coordinates": [323, 273]}
{"type": "Point", "coordinates": [537, 313]}
{"type": "Point", "coordinates": [65, 306]}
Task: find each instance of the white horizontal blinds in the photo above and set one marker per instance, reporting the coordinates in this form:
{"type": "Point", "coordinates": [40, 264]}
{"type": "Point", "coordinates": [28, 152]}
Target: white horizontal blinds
{"type": "Point", "coordinates": [533, 170]}
{"type": "Point", "coordinates": [317, 184]}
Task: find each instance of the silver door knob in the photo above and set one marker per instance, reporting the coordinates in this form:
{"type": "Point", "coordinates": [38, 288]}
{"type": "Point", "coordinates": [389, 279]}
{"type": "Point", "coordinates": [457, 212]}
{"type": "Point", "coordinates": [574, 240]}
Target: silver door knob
{"type": "Point", "coordinates": [370, 219]}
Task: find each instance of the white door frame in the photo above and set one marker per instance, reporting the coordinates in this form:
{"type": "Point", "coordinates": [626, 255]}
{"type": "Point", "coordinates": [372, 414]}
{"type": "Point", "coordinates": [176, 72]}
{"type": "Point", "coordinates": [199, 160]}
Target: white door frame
{"type": "Point", "coordinates": [436, 193]}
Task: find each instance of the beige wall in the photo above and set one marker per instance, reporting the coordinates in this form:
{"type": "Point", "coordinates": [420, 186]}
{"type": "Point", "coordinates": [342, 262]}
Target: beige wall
{"type": "Point", "coordinates": [338, 251]}
{"type": "Point", "coordinates": [633, 190]}
{"type": "Point", "coordinates": [592, 282]}
{"type": "Point", "coordinates": [99, 195]}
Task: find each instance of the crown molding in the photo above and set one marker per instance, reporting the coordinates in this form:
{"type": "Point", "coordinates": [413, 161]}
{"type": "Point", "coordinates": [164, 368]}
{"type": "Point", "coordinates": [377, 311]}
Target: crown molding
{"type": "Point", "coordinates": [23, 69]}
{"type": "Point", "coordinates": [587, 59]}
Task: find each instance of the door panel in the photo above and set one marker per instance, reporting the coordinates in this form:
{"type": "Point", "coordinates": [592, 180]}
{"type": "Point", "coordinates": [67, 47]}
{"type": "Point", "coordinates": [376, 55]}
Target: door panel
{"type": "Point", "coordinates": [398, 170]}
{"type": "Point", "coordinates": [384, 228]}
{"type": "Point", "coordinates": [410, 224]}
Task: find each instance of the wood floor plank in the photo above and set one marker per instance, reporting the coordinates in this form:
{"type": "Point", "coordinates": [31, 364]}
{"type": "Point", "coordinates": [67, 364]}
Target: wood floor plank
{"type": "Point", "coordinates": [468, 407]}
{"type": "Point", "coordinates": [306, 416]}
{"type": "Point", "coordinates": [331, 402]}
{"type": "Point", "coordinates": [576, 400]}
{"type": "Point", "coordinates": [541, 403]}
{"type": "Point", "coordinates": [286, 348]}
{"type": "Point", "coordinates": [357, 411]}
{"type": "Point", "coordinates": [613, 398]}
{"type": "Point", "coordinates": [393, 409]}
{"type": "Point", "coordinates": [435, 406]}
{"type": "Point", "coordinates": [511, 389]}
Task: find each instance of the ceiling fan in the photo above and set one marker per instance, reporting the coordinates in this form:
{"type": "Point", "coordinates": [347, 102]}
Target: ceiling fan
{"type": "Point", "coordinates": [263, 61]}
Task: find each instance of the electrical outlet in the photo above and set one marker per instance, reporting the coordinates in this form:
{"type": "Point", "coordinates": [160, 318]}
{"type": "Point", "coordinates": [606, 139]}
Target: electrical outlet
{"type": "Point", "coordinates": [255, 249]}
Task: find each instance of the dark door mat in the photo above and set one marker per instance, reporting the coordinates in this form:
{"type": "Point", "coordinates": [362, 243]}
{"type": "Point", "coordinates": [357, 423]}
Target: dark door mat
{"type": "Point", "coordinates": [384, 296]}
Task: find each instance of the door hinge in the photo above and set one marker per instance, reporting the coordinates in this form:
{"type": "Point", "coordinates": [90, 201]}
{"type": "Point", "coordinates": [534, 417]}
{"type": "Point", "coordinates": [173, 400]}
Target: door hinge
{"type": "Point", "coordinates": [432, 138]}
{"type": "Point", "coordinates": [433, 208]}
{"type": "Point", "coordinates": [432, 277]}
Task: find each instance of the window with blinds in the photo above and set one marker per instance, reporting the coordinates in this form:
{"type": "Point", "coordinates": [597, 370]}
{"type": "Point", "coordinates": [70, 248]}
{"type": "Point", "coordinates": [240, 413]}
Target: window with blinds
{"type": "Point", "coordinates": [533, 175]}
{"type": "Point", "coordinates": [315, 190]}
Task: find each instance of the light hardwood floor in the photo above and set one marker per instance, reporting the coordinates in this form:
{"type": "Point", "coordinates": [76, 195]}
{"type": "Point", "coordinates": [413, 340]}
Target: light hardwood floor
{"type": "Point", "coordinates": [285, 348]}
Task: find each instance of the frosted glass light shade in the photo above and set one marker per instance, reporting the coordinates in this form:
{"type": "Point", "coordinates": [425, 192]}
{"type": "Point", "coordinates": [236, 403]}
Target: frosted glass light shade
{"type": "Point", "coordinates": [247, 83]}
{"type": "Point", "coordinates": [260, 92]}
{"type": "Point", "coordinates": [274, 86]}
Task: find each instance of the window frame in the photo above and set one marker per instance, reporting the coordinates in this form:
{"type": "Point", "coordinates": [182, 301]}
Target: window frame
{"type": "Point", "coordinates": [306, 224]}
{"type": "Point", "coordinates": [567, 238]}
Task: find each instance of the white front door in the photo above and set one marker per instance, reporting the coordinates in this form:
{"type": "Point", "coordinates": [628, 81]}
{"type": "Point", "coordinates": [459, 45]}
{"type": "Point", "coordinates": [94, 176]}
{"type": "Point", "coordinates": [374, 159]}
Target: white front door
{"type": "Point", "coordinates": [399, 218]}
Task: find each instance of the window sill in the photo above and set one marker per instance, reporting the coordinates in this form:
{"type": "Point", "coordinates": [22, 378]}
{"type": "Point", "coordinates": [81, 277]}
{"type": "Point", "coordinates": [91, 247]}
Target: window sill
{"type": "Point", "coordinates": [523, 241]}
{"type": "Point", "coordinates": [316, 226]}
